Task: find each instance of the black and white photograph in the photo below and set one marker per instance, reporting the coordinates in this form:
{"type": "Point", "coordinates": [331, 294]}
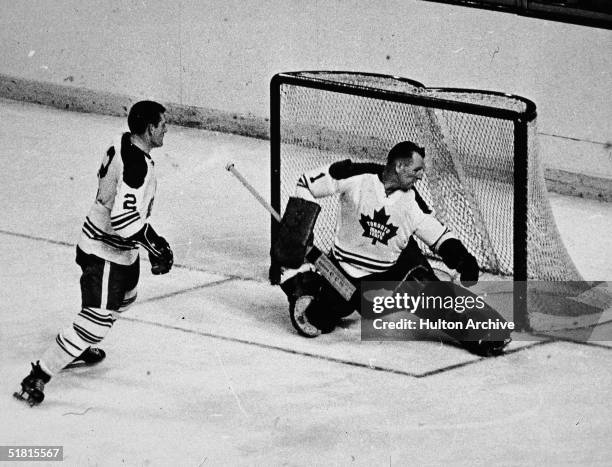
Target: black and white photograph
{"type": "Point", "coordinates": [306, 232]}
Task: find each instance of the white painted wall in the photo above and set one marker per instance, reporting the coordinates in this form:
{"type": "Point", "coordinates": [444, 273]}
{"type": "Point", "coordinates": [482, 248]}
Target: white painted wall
{"type": "Point", "coordinates": [221, 54]}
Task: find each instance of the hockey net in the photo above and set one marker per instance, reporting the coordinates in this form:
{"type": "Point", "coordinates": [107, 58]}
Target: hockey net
{"type": "Point", "coordinates": [475, 143]}
{"type": "Point", "coordinates": [470, 158]}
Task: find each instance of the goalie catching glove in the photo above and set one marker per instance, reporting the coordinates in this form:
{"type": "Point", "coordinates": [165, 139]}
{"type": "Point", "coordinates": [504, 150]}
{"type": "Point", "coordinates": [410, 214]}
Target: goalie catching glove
{"type": "Point", "coordinates": [456, 256]}
{"type": "Point", "coordinates": [160, 254]}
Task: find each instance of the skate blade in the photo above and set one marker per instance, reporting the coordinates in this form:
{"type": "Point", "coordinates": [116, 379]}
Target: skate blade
{"type": "Point", "coordinates": [299, 314]}
{"type": "Point", "coordinates": [19, 396]}
{"type": "Point", "coordinates": [80, 364]}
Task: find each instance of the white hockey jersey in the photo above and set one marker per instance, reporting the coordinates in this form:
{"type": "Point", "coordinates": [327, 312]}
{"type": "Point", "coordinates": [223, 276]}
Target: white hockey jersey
{"type": "Point", "coordinates": [126, 190]}
{"type": "Point", "coordinates": [372, 227]}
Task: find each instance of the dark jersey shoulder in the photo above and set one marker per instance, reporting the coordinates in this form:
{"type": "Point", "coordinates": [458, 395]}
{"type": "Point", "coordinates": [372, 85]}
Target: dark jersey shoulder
{"type": "Point", "coordinates": [421, 202]}
{"type": "Point", "coordinates": [134, 163]}
{"type": "Point", "coordinates": [347, 168]}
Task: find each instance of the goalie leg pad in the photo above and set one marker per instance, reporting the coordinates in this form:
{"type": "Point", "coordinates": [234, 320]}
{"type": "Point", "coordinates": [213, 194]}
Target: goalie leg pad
{"type": "Point", "coordinates": [310, 310]}
{"type": "Point", "coordinates": [492, 334]}
{"type": "Point", "coordinates": [321, 316]}
{"type": "Point", "coordinates": [481, 329]}
{"type": "Point", "coordinates": [304, 283]}
{"type": "Point", "coordinates": [302, 290]}
{"type": "Point", "coordinates": [410, 266]}
{"type": "Point", "coordinates": [295, 232]}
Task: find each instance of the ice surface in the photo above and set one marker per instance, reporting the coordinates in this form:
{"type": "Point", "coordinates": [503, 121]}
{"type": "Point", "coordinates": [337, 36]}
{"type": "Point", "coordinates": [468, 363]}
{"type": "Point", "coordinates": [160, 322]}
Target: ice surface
{"type": "Point", "coordinates": [205, 369]}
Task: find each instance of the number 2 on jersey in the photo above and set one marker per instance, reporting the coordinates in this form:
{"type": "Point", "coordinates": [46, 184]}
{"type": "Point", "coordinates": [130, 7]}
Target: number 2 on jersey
{"type": "Point", "coordinates": [130, 202]}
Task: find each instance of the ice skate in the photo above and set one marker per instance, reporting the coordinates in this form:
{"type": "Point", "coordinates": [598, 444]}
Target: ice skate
{"type": "Point", "coordinates": [297, 312]}
{"type": "Point", "coordinates": [485, 348]}
{"type": "Point", "coordinates": [90, 356]}
{"type": "Point", "coordinates": [33, 385]}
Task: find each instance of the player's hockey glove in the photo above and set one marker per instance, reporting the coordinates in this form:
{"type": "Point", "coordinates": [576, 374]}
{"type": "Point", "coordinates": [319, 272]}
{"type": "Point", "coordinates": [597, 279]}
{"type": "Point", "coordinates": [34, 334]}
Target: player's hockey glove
{"type": "Point", "coordinates": [456, 256]}
{"type": "Point", "coordinates": [160, 254]}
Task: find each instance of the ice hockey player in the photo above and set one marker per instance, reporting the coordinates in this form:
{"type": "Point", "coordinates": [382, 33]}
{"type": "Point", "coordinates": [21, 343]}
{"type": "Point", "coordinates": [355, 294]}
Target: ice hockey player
{"type": "Point", "coordinates": [380, 212]}
{"type": "Point", "coordinates": [108, 249]}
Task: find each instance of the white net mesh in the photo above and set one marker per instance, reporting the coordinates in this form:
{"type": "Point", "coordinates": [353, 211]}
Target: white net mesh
{"type": "Point", "coordinates": [469, 179]}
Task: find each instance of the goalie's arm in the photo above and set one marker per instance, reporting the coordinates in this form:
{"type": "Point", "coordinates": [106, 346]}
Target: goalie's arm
{"type": "Point", "coordinates": [332, 179]}
{"type": "Point", "coordinates": [299, 218]}
{"type": "Point", "coordinates": [443, 242]}
{"type": "Point", "coordinates": [297, 224]}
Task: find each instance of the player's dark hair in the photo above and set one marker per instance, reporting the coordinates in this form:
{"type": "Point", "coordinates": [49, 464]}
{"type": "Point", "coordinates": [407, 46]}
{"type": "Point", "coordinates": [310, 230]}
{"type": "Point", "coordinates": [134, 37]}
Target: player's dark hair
{"type": "Point", "coordinates": [144, 113]}
{"type": "Point", "coordinates": [404, 150]}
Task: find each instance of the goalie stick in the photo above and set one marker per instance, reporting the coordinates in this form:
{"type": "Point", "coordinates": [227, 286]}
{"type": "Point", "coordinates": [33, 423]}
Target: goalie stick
{"type": "Point", "coordinates": [322, 263]}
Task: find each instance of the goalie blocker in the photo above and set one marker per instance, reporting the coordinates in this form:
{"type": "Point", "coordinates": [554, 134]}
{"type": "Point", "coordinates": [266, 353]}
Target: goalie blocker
{"type": "Point", "coordinates": [295, 232]}
{"type": "Point", "coordinates": [294, 246]}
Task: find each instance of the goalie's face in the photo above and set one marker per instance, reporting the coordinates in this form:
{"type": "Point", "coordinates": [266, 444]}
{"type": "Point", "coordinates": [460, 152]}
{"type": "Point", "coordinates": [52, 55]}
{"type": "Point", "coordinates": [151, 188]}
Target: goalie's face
{"type": "Point", "coordinates": [409, 170]}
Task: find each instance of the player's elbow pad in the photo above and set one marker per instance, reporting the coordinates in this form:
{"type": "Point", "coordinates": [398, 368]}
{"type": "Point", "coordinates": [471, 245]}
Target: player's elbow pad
{"type": "Point", "coordinates": [457, 257]}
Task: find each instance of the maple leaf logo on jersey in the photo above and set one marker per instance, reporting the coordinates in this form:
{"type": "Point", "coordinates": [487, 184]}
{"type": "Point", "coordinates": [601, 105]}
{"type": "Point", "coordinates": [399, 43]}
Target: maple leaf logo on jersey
{"type": "Point", "coordinates": [377, 228]}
